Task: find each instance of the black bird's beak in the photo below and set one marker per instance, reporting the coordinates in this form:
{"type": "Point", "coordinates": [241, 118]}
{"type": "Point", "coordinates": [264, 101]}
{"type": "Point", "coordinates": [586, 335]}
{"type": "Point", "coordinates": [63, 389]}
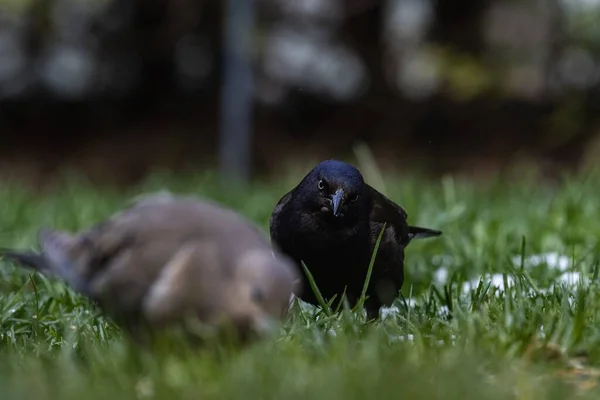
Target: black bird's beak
{"type": "Point", "coordinates": [336, 201]}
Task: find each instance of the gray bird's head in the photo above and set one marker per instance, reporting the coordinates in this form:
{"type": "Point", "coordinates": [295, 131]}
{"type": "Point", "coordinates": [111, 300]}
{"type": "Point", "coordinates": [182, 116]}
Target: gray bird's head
{"type": "Point", "coordinates": [260, 298]}
{"type": "Point", "coordinates": [335, 190]}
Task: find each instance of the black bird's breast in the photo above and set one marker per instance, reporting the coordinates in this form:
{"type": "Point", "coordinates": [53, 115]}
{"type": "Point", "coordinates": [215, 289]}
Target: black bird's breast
{"type": "Point", "coordinates": [334, 253]}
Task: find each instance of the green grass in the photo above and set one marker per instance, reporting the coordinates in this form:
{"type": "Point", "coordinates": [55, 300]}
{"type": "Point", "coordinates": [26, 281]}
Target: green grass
{"type": "Point", "coordinates": [447, 341]}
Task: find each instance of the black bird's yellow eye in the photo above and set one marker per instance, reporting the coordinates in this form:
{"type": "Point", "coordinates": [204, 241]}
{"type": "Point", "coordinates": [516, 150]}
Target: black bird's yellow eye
{"type": "Point", "coordinates": [321, 184]}
{"type": "Point", "coordinates": [353, 199]}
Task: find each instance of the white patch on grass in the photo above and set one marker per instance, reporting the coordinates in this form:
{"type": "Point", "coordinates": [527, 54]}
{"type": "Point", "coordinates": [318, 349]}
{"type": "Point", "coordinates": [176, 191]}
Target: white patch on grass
{"type": "Point", "coordinates": [386, 312]}
{"type": "Point", "coordinates": [402, 338]}
{"type": "Point", "coordinates": [306, 307]}
{"type": "Point", "coordinates": [410, 302]}
{"type": "Point", "coordinates": [408, 338]}
{"type": "Point", "coordinates": [497, 281]}
{"type": "Point", "coordinates": [442, 260]}
{"type": "Point", "coordinates": [441, 275]}
{"type": "Point", "coordinates": [553, 260]}
{"type": "Point", "coordinates": [573, 279]}
{"type": "Point", "coordinates": [389, 311]}
{"type": "Point", "coordinates": [451, 342]}
{"type": "Point", "coordinates": [443, 312]}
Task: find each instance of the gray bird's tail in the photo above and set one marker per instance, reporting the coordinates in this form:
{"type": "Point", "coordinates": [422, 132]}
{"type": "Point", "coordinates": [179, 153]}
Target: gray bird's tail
{"type": "Point", "coordinates": [27, 259]}
{"type": "Point", "coordinates": [54, 259]}
{"type": "Point", "coordinates": [415, 232]}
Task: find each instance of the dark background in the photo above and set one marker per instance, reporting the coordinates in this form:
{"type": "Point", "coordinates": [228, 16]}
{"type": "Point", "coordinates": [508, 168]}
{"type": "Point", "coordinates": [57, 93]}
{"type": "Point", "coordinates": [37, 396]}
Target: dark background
{"type": "Point", "coordinates": [117, 88]}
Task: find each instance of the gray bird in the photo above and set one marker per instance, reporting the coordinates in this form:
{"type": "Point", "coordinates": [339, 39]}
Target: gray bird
{"type": "Point", "coordinates": [166, 257]}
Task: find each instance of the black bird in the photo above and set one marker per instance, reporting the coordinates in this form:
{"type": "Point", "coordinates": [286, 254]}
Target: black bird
{"type": "Point", "coordinates": [331, 221]}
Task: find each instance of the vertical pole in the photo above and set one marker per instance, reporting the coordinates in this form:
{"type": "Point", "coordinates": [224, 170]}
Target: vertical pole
{"type": "Point", "coordinates": [235, 141]}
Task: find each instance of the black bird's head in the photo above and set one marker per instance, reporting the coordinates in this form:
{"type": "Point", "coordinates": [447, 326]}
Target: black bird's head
{"type": "Point", "coordinates": [335, 190]}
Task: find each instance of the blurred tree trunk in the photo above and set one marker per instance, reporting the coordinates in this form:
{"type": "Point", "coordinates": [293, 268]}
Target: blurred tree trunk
{"type": "Point", "coordinates": [457, 24]}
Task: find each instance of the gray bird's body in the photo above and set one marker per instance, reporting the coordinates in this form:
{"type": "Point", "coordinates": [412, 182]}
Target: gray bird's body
{"type": "Point", "coordinates": [166, 257]}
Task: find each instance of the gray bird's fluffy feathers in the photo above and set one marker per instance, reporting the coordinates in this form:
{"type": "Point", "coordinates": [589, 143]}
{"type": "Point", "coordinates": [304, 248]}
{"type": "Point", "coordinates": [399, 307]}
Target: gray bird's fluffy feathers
{"type": "Point", "coordinates": [165, 256]}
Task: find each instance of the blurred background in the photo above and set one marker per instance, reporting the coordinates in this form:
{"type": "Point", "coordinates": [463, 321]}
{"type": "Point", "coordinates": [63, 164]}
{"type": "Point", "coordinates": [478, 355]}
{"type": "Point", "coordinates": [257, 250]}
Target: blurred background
{"type": "Point", "coordinates": [117, 88]}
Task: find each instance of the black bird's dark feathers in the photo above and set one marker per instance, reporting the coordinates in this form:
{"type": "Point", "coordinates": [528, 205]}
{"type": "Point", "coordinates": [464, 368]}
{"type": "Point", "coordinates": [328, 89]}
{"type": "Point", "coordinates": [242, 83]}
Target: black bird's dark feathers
{"type": "Point", "coordinates": [337, 251]}
{"type": "Point", "coordinates": [385, 210]}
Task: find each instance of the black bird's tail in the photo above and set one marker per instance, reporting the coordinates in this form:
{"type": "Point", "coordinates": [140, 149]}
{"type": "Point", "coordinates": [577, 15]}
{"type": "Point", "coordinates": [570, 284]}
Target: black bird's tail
{"type": "Point", "coordinates": [28, 259]}
{"type": "Point", "coordinates": [416, 232]}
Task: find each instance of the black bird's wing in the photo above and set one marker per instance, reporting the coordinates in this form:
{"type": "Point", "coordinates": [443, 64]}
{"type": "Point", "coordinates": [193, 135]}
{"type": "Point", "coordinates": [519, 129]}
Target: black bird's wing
{"type": "Point", "coordinates": [274, 220]}
{"type": "Point", "coordinates": [385, 210]}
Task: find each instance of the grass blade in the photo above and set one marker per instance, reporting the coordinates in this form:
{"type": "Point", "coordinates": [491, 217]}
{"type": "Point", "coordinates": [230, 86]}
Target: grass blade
{"type": "Point", "coordinates": [363, 294]}
{"type": "Point", "coordinates": [326, 308]}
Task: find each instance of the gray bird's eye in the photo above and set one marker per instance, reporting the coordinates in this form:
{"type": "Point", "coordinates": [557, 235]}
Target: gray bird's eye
{"type": "Point", "coordinates": [258, 295]}
{"type": "Point", "coordinates": [353, 199]}
{"type": "Point", "coordinates": [321, 184]}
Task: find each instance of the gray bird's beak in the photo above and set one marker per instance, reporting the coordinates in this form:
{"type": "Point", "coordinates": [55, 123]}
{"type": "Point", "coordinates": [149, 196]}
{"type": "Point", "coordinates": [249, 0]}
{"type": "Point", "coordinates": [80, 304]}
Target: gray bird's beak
{"type": "Point", "coordinates": [336, 200]}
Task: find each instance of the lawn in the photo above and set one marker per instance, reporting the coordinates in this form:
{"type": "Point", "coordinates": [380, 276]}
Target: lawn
{"type": "Point", "coordinates": [503, 305]}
